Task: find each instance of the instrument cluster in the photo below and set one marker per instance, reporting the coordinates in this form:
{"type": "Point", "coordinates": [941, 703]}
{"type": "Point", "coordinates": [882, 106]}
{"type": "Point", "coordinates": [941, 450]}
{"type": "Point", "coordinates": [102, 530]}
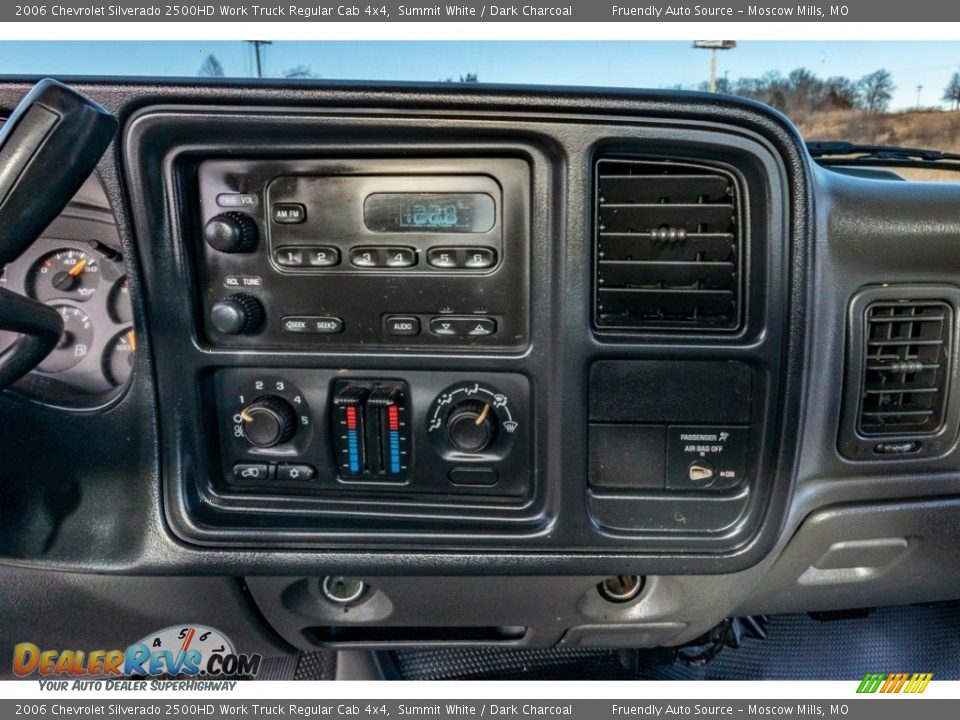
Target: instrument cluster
{"type": "Point", "coordinates": [77, 269]}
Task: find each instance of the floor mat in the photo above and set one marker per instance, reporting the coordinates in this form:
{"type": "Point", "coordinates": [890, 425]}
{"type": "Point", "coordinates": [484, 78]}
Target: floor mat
{"type": "Point", "coordinates": [915, 638]}
{"type": "Point", "coordinates": [319, 665]}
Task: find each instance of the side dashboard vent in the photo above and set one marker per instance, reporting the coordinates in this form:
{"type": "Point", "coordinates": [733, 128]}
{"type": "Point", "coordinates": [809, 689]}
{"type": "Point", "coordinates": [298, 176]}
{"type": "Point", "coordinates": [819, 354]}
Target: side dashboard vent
{"type": "Point", "coordinates": [906, 367]}
{"type": "Point", "coordinates": [668, 247]}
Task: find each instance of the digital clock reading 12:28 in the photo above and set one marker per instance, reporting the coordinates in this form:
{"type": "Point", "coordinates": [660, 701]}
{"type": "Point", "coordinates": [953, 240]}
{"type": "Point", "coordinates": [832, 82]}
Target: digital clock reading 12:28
{"type": "Point", "coordinates": [429, 212]}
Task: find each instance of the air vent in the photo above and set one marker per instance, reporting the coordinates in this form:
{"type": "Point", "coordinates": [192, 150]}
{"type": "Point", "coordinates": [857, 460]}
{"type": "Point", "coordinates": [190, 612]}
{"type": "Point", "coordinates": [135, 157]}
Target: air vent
{"type": "Point", "coordinates": [668, 247]}
{"type": "Point", "coordinates": [906, 368]}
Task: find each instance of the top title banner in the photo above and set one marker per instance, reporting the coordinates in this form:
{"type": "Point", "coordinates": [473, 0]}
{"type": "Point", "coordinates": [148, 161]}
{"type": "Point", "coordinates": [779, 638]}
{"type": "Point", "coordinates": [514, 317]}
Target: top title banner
{"type": "Point", "coordinates": [473, 11]}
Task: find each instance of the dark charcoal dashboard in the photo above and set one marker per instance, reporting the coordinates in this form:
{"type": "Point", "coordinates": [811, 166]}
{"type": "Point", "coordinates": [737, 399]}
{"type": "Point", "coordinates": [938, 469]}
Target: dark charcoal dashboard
{"type": "Point", "coordinates": [499, 344]}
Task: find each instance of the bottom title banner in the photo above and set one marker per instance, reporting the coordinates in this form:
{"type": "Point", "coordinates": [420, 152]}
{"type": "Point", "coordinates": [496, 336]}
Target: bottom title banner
{"type": "Point", "coordinates": [594, 709]}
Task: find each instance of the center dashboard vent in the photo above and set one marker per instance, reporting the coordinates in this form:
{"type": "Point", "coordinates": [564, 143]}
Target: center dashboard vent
{"type": "Point", "coordinates": [906, 367]}
{"type": "Point", "coordinates": [668, 247]}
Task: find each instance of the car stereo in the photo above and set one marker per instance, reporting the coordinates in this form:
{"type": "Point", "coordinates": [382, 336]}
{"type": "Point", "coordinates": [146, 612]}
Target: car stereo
{"type": "Point", "coordinates": [403, 253]}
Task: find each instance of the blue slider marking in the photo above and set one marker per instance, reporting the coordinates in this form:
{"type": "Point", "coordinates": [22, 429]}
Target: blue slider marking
{"type": "Point", "coordinates": [394, 452]}
{"type": "Point", "coordinates": [353, 451]}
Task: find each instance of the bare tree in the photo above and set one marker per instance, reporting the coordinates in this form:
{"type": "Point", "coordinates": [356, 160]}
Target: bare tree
{"type": "Point", "coordinates": [211, 67]}
{"type": "Point", "coordinates": [952, 92]}
{"type": "Point", "coordinates": [877, 90]}
{"type": "Point", "coordinates": [300, 72]}
{"type": "Point", "coordinates": [840, 93]}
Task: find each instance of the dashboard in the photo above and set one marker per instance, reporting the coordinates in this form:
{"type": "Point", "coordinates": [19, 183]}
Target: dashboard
{"type": "Point", "coordinates": [377, 351]}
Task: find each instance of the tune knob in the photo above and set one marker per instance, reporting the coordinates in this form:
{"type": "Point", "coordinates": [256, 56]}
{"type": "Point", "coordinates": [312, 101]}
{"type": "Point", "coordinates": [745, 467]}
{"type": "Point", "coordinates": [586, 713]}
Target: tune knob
{"type": "Point", "coordinates": [239, 314]}
{"type": "Point", "coordinates": [268, 421]}
{"type": "Point", "coordinates": [471, 426]}
{"type": "Point", "coordinates": [231, 232]}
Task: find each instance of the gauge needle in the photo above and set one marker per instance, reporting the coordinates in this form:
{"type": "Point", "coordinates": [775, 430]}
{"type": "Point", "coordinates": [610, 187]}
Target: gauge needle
{"type": "Point", "coordinates": [132, 340]}
{"type": "Point", "coordinates": [78, 268]}
{"type": "Point", "coordinates": [483, 414]}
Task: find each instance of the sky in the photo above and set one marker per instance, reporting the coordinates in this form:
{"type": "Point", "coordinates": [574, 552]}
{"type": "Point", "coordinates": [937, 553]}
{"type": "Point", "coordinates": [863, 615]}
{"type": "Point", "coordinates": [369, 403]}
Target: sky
{"type": "Point", "coordinates": [650, 64]}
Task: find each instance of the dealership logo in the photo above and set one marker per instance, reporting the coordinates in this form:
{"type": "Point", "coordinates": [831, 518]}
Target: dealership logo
{"type": "Point", "coordinates": [179, 650]}
{"type": "Point", "coordinates": [894, 683]}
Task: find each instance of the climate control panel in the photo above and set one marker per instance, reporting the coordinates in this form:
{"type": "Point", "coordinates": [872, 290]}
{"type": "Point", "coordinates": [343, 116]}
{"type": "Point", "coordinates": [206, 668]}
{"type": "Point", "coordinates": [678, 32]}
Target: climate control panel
{"type": "Point", "coordinates": [403, 253]}
{"type": "Point", "coordinates": [311, 432]}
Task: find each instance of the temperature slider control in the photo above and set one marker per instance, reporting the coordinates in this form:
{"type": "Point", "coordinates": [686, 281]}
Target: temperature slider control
{"type": "Point", "coordinates": [371, 433]}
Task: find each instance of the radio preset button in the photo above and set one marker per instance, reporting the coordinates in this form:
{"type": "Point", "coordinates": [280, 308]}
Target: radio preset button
{"type": "Point", "coordinates": [289, 256]}
{"type": "Point", "coordinates": [289, 213]}
{"type": "Point", "coordinates": [403, 325]}
{"type": "Point", "coordinates": [365, 257]}
{"type": "Point", "coordinates": [479, 258]}
{"type": "Point", "coordinates": [399, 257]}
{"type": "Point", "coordinates": [443, 258]}
{"type": "Point", "coordinates": [322, 256]}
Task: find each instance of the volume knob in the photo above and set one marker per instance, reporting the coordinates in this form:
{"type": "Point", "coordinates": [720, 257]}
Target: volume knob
{"type": "Point", "coordinates": [231, 232]}
{"type": "Point", "coordinates": [268, 421]}
{"type": "Point", "coordinates": [239, 314]}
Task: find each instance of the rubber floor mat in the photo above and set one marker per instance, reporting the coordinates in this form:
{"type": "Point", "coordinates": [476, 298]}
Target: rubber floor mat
{"type": "Point", "coordinates": [914, 638]}
{"type": "Point", "coordinates": [319, 665]}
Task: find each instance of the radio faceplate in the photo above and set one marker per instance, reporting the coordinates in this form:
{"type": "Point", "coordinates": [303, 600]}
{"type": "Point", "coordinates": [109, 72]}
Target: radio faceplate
{"type": "Point", "coordinates": [400, 254]}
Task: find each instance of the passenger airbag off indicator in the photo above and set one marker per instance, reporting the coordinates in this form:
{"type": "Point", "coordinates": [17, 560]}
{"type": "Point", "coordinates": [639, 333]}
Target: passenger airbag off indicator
{"type": "Point", "coordinates": [701, 458]}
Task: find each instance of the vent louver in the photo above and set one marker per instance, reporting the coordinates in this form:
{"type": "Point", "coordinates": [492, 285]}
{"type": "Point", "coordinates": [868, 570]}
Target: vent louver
{"type": "Point", "coordinates": [668, 247]}
{"type": "Point", "coordinates": [906, 367]}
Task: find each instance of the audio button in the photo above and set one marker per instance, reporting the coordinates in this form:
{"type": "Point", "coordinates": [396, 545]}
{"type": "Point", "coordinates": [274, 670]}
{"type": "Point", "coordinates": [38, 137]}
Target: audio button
{"type": "Point", "coordinates": [402, 325]}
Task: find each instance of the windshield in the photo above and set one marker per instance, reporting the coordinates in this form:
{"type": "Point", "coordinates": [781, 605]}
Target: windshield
{"type": "Point", "coordinates": [873, 92]}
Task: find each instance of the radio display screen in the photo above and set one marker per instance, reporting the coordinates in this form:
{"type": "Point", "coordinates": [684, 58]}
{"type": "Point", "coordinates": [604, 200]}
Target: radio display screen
{"type": "Point", "coordinates": [429, 212]}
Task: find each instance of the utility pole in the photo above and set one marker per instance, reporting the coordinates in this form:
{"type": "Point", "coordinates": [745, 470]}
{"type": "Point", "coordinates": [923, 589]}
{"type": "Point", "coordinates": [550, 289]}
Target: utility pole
{"type": "Point", "coordinates": [919, 90]}
{"type": "Point", "coordinates": [256, 45]}
{"type": "Point", "coordinates": [713, 46]}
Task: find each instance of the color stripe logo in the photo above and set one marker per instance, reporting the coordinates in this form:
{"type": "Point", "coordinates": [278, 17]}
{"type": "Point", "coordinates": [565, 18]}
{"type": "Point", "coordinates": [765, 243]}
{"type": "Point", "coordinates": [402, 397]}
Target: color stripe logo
{"type": "Point", "coordinates": [894, 683]}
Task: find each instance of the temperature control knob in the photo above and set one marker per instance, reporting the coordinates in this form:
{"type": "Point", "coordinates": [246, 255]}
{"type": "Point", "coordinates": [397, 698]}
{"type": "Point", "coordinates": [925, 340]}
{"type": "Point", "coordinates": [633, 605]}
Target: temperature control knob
{"type": "Point", "coordinates": [231, 232]}
{"type": "Point", "coordinates": [268, 421]}
{"type": "Point", "coordinates": [239, 314]}
{"type": "Point", "coordinates": [471, 426]}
